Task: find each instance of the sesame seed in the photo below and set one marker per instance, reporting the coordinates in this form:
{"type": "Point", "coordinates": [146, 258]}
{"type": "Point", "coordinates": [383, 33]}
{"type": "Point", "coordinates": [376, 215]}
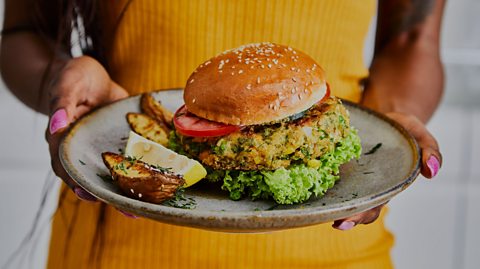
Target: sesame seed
{"type": "Point", "coordinates": [292, 68]}
{"type": "Point", "coordinates": [294, 52]}
{"type": "Point", "coordinates": [192, 80]}
{"type": "Point", "coordinates": [294, 79]}
{"type": "Point", "coordinates": [308, 70]}
{"type": "Point", "coordinates": [284, 65]}
{"type": "Point", "coordinates": [249, 86]}
{"type": "Point", "coordinates": [275, 61]}
{"type": "Point", "coordinates": [269, 65]}
{"type": "Point", "coordinates": [290, 49]}
{"type": "Point", "coordinates": [233, 73]}
{"type": "Point", "coordinates": [258, 80]}
{"type": "Point", "coordinates": [262, 66]}
{"type": "Point", "coordinates": [131, 190]}
{"type": "Point", "coordinates": [233, 66]}
{"type": "Point", "coordinates": [293, 90]}
{"type": "Point", "coordinates": [299, 96]}
{"type": "Point", "coordinates": [139, 195]}
{"type": "Point", "coordinates": [207, 63]}
{"type": "Point", "coordinates": [240, 71]}
{"type": "Point", "coordinates": [305, 91]}
{"type": "Point", "coordinates": [227, 60]}
{"type": "Point", "coordinates": [193, 101]}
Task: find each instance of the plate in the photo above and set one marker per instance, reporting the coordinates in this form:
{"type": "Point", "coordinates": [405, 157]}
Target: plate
{"type": "Point", "coordinates": [365, 183]}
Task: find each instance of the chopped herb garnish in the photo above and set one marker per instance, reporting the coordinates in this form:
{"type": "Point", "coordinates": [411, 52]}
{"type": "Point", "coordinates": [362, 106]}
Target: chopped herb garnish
{"type": "Point", "coordinates": [180, 201]}
{"type": "Point", "coordinates": [256, 209]}
{"type": "Point", "coordinates": [374, 149]}
{"type": "Point", "coordinates": [367, 173]}
{"type": "Point", "coordinates": [82, 162]}
{"type": "Point", "coordinates": [124, 138]}
{"type": "Point", "coordinates": [121, 166]}
{"type": "Point", "coordinates": [132, 159]}
{"type": "Point", "coordinates": [162, 169]}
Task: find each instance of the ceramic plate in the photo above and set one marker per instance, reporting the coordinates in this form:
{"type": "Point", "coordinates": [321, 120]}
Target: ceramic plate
{"type": "Point", "coordinates": [365, 183]}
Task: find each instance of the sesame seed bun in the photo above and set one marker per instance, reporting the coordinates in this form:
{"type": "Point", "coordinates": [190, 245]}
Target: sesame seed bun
{"type": "Point", "coordinates": [254, 84]}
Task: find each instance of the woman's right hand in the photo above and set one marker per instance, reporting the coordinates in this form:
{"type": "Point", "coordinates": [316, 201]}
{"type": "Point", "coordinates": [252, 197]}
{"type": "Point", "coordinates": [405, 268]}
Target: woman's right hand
{"type": "Point", "coordinates": [81, 85]}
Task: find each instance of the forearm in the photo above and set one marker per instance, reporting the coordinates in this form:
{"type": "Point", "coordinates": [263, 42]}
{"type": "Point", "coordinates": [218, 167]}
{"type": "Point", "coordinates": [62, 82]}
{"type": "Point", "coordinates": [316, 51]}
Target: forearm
{"type": "Point", "coordinates": [406, 74]}
{"type": "Point", "coordinates": [409, 80]}
{"type": "Point", "coordinates": [25, 58]}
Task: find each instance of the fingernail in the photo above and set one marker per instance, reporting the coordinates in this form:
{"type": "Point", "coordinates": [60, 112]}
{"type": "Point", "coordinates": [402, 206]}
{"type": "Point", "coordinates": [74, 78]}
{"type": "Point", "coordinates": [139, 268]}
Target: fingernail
{"type": "Point", "coordinates": [84, 195]}
{"type": "Point", "coordinates": [346, 225]}
{"type": "Point", "coordinates": [58, 120]}
{"type": "Point", "coordinates": [128, 215]}
{"type": "Point", "coordinates": [433, 164]}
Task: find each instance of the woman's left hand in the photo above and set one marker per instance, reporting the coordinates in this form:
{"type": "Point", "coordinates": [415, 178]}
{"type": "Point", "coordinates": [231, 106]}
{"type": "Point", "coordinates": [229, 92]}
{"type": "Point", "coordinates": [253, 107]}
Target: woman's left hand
{"type": "Point", "coordinates": [431, 163]}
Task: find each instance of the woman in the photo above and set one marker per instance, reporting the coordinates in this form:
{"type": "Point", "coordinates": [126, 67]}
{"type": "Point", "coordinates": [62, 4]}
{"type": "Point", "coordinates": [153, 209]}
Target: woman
{"type": "Point", "coordinates": [141, 45]}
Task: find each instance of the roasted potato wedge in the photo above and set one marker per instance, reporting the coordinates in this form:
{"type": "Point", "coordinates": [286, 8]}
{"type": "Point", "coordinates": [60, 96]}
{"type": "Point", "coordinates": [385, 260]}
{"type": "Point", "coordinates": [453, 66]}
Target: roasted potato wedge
{"type": "Point", "coordinates": [147, 127]}
{"type": "Point", "coordinates": [155, 110]}
{"type": "Point", "coordinates": [141, 181]}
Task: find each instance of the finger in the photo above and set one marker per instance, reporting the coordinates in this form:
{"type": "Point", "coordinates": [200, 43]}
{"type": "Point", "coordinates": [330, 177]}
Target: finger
{"type": "Point", "coordinates": [431, 156]}
{"type": "Point", "coordinates": [366, 217]}
{"type": "Point", "coordinates": [117, 92]}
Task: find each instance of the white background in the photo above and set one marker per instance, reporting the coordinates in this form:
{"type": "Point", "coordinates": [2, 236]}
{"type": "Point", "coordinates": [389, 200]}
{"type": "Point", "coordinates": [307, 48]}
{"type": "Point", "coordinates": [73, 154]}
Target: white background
{"type": "Point", "coordinates": [435, 222]}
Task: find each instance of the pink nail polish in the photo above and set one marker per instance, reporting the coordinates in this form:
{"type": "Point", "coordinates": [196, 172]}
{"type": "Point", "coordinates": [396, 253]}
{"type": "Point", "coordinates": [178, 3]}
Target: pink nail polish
{"type": "Point", "coordinates": [433, 164]}
{"type": "Point", "coordinates": [84, 195]}
{"type": "Point", "coordinates": [346, 225]}
{"type": "Point", "coordinates": [128, 215]}
{"type": "Point", "coordinates": [58, 121]}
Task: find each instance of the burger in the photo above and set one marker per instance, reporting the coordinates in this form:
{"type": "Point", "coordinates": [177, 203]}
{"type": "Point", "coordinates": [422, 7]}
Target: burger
{"type": "Point", "coordinates": [262, 121]}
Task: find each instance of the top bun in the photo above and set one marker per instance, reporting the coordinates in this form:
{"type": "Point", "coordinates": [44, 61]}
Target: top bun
{"type": "Point", "coordinates": [254, 84]}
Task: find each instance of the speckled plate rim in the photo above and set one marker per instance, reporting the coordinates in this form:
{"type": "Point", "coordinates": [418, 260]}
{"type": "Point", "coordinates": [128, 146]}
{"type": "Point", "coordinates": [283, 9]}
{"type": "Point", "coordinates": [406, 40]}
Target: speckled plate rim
{"type": "Point", "coordinates": [216, 220]}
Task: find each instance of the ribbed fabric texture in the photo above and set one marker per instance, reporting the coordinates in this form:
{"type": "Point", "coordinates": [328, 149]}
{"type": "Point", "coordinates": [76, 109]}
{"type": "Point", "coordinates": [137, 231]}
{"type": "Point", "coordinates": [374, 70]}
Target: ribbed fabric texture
{"type": "Point", "coordinates": [156, 44]}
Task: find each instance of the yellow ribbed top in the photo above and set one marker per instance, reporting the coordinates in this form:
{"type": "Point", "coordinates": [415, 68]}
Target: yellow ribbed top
{"type": "Point", "coordinates": [156, 44]}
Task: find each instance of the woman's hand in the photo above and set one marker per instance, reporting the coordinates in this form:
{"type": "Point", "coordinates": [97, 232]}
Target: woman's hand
{"type": "Point", "coordinates": [431, 162]}
{"type": "Point", "coordinates": [81, 85]}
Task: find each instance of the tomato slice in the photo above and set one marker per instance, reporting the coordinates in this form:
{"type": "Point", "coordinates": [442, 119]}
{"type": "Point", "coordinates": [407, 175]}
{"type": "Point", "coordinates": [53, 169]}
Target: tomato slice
{"type": "Point", "coordinates": [188, 124]}
{"type": "Point", "coordinates": [326, 96]}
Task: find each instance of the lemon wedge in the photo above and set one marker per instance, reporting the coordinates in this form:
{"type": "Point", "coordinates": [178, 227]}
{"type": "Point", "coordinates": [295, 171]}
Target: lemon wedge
{"type": "Point", "coordinates": [156, 154]}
